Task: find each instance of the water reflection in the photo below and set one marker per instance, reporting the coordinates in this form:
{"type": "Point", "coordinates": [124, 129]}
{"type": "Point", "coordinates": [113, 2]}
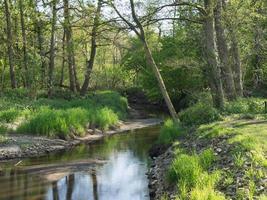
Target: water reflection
{"type": "Point", "coordinates": [121, 178]}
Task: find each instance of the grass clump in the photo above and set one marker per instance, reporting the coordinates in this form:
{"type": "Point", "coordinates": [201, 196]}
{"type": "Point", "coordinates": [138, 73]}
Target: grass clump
{"type": "Point", "coordinates": [9, 115]}
{"type": "Point", "coordinates": [190, 172]}
{"type": "Point", "coordinates": [199, 113]}
{"type": "Point", "coordinates": [170, 131]}
{"type": "Point", "coordinates": [206, 193]}
{"type": "Point", "coordinates": [105, 117]}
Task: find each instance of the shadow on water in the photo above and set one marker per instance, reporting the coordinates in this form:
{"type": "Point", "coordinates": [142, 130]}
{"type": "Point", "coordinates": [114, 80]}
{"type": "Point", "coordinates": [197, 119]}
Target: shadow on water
{"type": "Point", "coordinates": [75, 174]}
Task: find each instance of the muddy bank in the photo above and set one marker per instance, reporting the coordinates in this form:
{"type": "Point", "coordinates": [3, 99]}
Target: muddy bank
{"type": "Point", "coordinates": [22, 146]}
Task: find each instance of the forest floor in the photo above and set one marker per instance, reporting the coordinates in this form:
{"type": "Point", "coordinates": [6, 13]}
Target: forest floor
{"type": "Point", "coordinates": [240, 150]}
{"type": "Point", "coordinates": [15, 146]}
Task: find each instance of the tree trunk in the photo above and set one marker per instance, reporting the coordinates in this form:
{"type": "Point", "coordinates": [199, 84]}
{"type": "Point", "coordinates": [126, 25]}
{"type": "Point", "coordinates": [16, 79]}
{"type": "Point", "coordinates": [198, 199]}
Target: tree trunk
{"type": "Point", "coordinates": [69, 43]}
{"type": "Point", "coordinates": [257, 60]}
{"type": "Point", "coordinates": [52, 49]}
{"type": "Point", "coordinates": [213, 71]}
{"type": "Point", "coordinates": [9, 45]}
{"type": "Point", "coordinates": [227, 73]}
{"type": "Point", "coordinates": [24, 45]}
{"type": "Point", "coordinates": [237, 67]}
{"type": "Point", "coordinates": [152, 63]}
{"type": "Point", "coordinates": [90, 62]}
{"type": "Point", "coordinates": [39, 31]}
{"type": "Point", "coordinates": [63, 59]}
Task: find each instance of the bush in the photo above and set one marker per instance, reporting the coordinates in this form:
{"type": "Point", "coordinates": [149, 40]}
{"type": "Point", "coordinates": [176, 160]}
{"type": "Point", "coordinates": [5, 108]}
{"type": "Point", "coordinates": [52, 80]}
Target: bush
{"type": "Point", "coordinates": [170, 131]}
{"type": "Point", "coordinates": [245, 106]}
{"type": "Point", "coordinates": [198, 114]}
{"type": "Point", "coordinates": [9, 115]}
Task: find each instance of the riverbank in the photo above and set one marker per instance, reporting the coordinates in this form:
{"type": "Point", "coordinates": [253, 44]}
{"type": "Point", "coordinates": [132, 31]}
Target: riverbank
{"type": "Point", "coordinates": [18, 146]}
{"type": "Point", "coordinates": [235, 163]}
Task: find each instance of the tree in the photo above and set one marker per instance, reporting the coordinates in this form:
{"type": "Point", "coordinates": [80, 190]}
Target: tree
{"type": "Point", "coordinates": [10, 45]}
{"type": "Point", "coordinates": [90, 62]}
{"type": "Point", "coordinates": [213, 71]}
{"type": "Point", "coordinates": [52, 48]}
{"type": "Point", "coordinates": [150, 60]}
{"type": "Point", "coordinates": [223, 52]}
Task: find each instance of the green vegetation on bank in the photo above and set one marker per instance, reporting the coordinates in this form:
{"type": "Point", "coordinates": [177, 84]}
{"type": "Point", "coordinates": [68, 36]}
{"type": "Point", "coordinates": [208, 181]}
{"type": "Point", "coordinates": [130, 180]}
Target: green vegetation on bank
{"type": "Point", "coordinates": [61, 117]}
{"type": "Point", "coordinates": [243, 122]}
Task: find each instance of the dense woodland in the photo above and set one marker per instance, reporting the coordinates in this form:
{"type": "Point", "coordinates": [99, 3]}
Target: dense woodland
{"type": "Point", "coordinates": [67, 68]}
{"type": "Point", "coordinates": [184, 46]}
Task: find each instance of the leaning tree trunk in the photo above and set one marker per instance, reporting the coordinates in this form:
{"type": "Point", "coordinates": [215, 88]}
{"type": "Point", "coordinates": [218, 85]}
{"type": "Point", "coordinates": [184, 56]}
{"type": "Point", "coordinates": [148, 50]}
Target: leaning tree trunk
{"type": "Point", "coordinates": [24, 45]}
{"type": "Point", "coordinates": [227, 74]}
{"type": "Point", "coordinates": [9, 46]}
{"type": "Point", "coordinates": [52, 49]}
{"type": "Point", "coordinates": [152, 63]}
{"type": "Point", "coordinates": [213, 71]}
{"type": "Point", "coordinates": [90, 62]}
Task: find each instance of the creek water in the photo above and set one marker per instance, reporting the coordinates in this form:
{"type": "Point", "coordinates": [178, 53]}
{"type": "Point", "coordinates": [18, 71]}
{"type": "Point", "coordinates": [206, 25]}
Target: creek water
{"type": "Point", "coordinates": [112, 169]}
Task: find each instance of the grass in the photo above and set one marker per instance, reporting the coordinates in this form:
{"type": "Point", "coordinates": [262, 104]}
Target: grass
{"type": "Point", "coordinates": [62, 117]}
{"type": "Point", "coordinates": [170, 132]}
{"type": "Point", "coordinates": [190, 173]}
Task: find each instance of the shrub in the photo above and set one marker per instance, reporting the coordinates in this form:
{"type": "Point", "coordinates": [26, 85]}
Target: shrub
{"type": "Point", "coordinates": [170, 131]}
{"type": "Point", "coordinates": [198, 114]}
{"type": "Point", "coordinates": [245, 105]}
{"type": "Point", "coordinates": [9, 115]}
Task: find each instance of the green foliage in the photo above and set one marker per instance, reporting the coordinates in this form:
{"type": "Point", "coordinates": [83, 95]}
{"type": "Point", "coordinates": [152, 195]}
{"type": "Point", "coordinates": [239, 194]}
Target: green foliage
{"type": "Point", "coordinates": [105, 118]}
{"type": "Point", "coordinates": [190, 174]}
{"type": "Point", "coordinates": [60, 117]}
{"type": "Point", "coordinates": [246, 106]}
{"type": "Point", "coordinates": [46, 122]}
{"type": "Point", "coordinates": [199, 113]}
{"type": "Point", "coordinates": [170, 131]}
{"type": "Point", "coordinates": [207, 158]}
{"type": "Point", "coordinates": [3, 130]}
{"type": "Point", "coordinates": [9, 115]}
{"type": "Point", "coordinates": [206, 193]}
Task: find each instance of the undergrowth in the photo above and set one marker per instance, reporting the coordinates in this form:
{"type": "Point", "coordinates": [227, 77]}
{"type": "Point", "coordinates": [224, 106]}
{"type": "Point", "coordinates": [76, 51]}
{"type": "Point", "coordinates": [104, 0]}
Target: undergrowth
{"type": "Point", "coordinates": [62, 117]}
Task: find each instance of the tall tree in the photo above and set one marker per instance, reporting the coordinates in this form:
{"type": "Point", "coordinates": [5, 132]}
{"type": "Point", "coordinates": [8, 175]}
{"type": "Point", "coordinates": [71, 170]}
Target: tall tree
{"type": "Point", "coordinates": [69, 44]}
{"type": "Point", "coordinates": [223, 52]}
{"type": "Point", "coordinates": [10, 45]}
{"type": "Point", "coordinates": [150, 60]}
{"type": "Point", "coordinates": [52, 48]}
{"type": "Point", "coordinates": [90, 62]}
{"type": "Point", "coordinates": [24, 44]}
{"type": "Point", "coordinates": [213, 70]}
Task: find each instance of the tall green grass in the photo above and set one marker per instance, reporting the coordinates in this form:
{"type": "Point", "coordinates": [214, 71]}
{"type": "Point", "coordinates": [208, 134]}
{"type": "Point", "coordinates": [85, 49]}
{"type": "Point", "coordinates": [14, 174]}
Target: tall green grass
{"type": "Point", "coordinates": [170, 132]}
{"type": "Point", "coordinates": [62, 117]}
{"type": "Point", "coordinates": [190, 173]}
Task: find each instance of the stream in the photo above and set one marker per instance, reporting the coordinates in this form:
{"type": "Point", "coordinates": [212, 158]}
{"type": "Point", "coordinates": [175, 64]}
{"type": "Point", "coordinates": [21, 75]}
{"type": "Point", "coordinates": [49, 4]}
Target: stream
{"type": "Point", "coordinates": [112, 169]}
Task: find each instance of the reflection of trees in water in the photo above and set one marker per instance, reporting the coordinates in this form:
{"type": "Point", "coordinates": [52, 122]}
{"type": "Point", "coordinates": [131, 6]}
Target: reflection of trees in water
{"type": "Point", "coordinates": [94, 180]}
{"type": "Point", "coordinates": [55, 191]}
{"type": "Point", "coordinates": [70, 185]}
